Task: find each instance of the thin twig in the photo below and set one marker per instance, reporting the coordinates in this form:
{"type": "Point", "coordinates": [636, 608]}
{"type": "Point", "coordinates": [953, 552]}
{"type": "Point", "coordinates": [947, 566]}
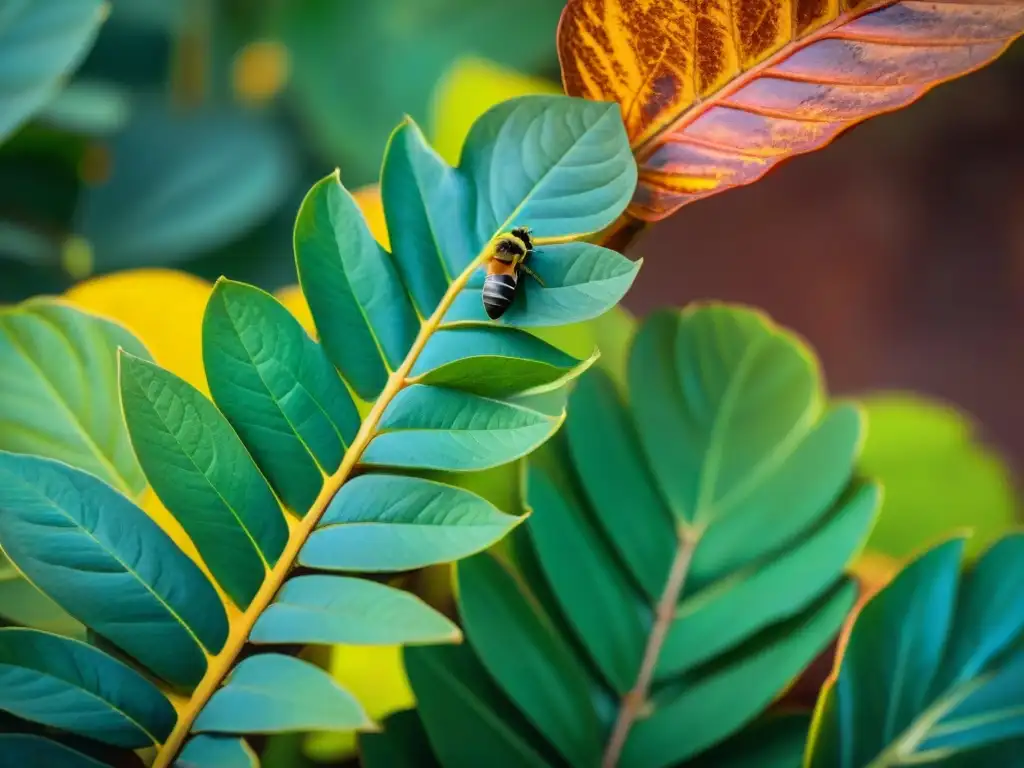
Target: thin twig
{"type": "Point", "coordinates": [633, 702]}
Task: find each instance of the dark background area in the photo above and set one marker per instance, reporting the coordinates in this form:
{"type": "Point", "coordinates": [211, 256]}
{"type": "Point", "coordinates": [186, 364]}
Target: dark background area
{"type": "Point", "coordinates": [897, 251]}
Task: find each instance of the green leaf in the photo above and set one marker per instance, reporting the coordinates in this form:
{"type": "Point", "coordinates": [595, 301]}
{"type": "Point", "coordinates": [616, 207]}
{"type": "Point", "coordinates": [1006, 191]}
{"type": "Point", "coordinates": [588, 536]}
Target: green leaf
{"type": "Point", "coordinates": [775, 741]}
{"type": "Point", "coordinates": [581, 281]}
{"type": "Point", "coordinates": [710, 708]}
{"type": "Point", "coordinates": [217, 752]}
{"type": "Point", "coordinates": [528, 157]}
{"type": "Point", "coordinates": [39, 44]}
{"type": "Point", "coordinates": [465, 714]}
{"type": "Point", "coordinates": [204, 476]}
{"type": "Point", "coordinates": [933, 669]}
{"type": "Point", "coordinates": [183, 183]}
{"type": "Point", "coordinates": [938, 476]}
{"type": "Point", "coordinates": [426, 205]}
{"type": "Point", "coordinates": [58, 373]}
{"type": "Point", "coordinates": [541, 676]}
{"type": "Point", "coordinates": [362, 312]}
{"type": "Point", "coordinates": [402, 744]}
{"type": "Point", "coordinates": [68, 684]}
{"type": "Point", "coordinates": [688, 549]}
{"type": "Point", "coordinates": [92, 108]}
{"type": "Point", "coordinates": [434, 428]}
{"type": "Point", "coordinates": [81, 542]}
{"type": "Point", "coordinates": [21, 749]}
{"type": "Point", "coordinates": [339, 609]}
{"type": "Point", "coordinates": [271, 693]}
{"type": "Point", "coordinates": [493, 361]}
{"type": "Point", "coordinates": [22, 603]}
{"type": "Point", "coordinates": [395, 523]}
{"type": "Point", "coordinates": [278, 390]}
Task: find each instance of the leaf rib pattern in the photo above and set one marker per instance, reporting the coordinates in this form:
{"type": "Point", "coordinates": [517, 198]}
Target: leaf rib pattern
{"type": "Point", "coordinates": [716, 94]}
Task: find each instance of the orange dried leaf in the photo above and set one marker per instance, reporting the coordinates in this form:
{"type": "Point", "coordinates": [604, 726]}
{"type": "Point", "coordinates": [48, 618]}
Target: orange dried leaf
{"type": "Point", "coordinates": [714, 93]}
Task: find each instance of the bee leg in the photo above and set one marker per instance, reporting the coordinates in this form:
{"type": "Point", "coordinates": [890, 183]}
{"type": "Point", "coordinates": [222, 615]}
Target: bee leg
{"type": "Point", "coordinates": [532, 274]}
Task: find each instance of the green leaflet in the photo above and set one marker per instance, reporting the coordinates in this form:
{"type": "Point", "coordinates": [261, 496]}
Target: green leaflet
{"type": "Point", "coordinates": [339, 609]}
{"type": "Point", "coordinates": [20, 749]}
{"type": "Point", "coordinates": [402, 743]}
{"type": "Point", "coordinates": [774, 741]}
{"type": "Point", "coordinates": [21, 603]}
{"type": "Point", "coordinates": [217, 752]}
{"type": "Point", "coordinates": [68, 684]}
{"type": "Point", "coordinates": [58, 368]}
{"type": "Point", "coordinates": [395, 523]}
{"type": "Point", "coordinates": [39, 44]}
{"type": "Point", "coordinates": [581, 281]}
{"type": "Point", "coordinates": [717, 705]}
{"type": "Point", "coordinates": [493, 361]}
{"type": "Point", "coordinates": [204, 476]}
{"type": "Point", "coordinates": [74, 537]}
{"type": "Point", "coordinates": [435, 428]}
{"type": "Point", "coordinates": [362, 313]}
{"type": "Point", "coordinates": [426, 205]}
{"type": "Point", "coordinates": [527, 157]}
{"type": "Point", "coordinates": [933, 668]}
{"type": "Point", "coordinates": [278, 390]}
{"type": "Point", "coordinates": [530, 661]}
{"type": "Point", "coordinates": [466, 716]}
{"type": "Point", "coordinates": [183, 183]}
{"type": "Point", "coordinates": [704, 526]}
{"type": "Point", "coordinates": [271, 693]}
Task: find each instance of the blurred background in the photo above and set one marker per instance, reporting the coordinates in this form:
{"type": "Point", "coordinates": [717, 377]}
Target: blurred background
{"type": "Point", "coordinates": [193, 128]}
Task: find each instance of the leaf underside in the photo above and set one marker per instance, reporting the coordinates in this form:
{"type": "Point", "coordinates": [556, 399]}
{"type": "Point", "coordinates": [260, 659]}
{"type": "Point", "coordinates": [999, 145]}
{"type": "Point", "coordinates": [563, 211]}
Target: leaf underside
{"type": "Point", "coordinates": [715, 94]}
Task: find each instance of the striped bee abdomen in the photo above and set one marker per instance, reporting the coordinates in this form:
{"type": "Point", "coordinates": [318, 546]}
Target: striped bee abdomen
{"type": "Point", "coordinates": [499, 290]}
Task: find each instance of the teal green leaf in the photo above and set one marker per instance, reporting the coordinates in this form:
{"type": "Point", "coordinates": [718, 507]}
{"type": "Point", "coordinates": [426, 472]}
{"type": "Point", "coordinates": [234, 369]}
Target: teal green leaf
{"type": "Point", "coordinates": [395, 523]}
{"type": "Point", "coordinates": [104, 561]}
{"type": "Point", "coordinates": [344, 610]}
{"type": "Point", "coordinates": [712, 620]}
{"type": "Point", "coordinates": [938, 476]}
{"type": "Point", "coordinates": [58, 374]}
{"type": "Point", "coordinates": [204, 476]}
{"type": "Point", "coordinates": [493, 361]}
{"type": "Point", "coordinates": [22, 604]}
{"type": "Point", "coordinates": [581, 282]}
{"type": "Point", "coordinates": [775, 741]}
{"type": "Point", "coordinates": [271, 693]}
{"type": "Point", "coordinates": [402, 743]}
{"type": "Point", "coordinates": [39, 44]}
{"type": "Point", "coordinates": [616, 476]}
{"type": "Point", "coordinates": [89, 107]}
{"type": "Point", "coordinates": [362, 312]}
{"type": "Point", "coordinates": [434, 428]}
{"type": "Point", "coordinates": [527, 657]}
{"type": "Point", "coordinates": [708, 709]}
{"type": "Point", "coordinates": [592, 591]}
{"type": "Point", "coordinates": [933, 669]}
{"type": "Point", "coordinates": [217, 752]}
{"type": "Point", "coordinates": [467, 717]}
{"type": "Point", "coordinates": [560, 166]}
{"type": "Point", "coordinates": [426, 205]}
{"type": "Point", "coordinates": [68, 684]}
{"type": "Point", "coordinates": [20, 749]}
{"type": "Point", "coordinates": [278, 389]}
{"type": "Point", "coordinates": [183, 183]}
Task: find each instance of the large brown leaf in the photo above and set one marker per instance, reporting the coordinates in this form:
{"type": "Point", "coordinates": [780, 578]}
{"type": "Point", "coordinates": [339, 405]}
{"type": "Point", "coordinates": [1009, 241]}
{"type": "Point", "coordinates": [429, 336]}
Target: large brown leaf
{"type": "Point", "coordinates": [714, 93]}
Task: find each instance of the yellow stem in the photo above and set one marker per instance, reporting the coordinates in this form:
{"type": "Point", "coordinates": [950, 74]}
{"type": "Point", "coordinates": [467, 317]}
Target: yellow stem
{"type": "Point", "coordinates": [219, 665]}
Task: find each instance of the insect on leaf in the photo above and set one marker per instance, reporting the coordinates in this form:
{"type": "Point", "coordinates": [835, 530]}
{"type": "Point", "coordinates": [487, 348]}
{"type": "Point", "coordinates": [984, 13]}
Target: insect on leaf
{"type": "Point", "coordinates": [715, 94]}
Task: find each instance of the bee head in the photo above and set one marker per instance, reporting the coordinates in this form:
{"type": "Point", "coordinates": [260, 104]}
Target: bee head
{"type": "Point", "coordinates": [523, 233]}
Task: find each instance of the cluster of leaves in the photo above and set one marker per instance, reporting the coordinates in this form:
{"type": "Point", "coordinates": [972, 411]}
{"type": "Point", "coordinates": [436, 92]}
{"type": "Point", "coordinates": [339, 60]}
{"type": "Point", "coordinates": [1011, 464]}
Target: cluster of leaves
{"type": "Point", "coordinates": [191, 130]}
{"type": "Point", "coordinates": [292, 464]}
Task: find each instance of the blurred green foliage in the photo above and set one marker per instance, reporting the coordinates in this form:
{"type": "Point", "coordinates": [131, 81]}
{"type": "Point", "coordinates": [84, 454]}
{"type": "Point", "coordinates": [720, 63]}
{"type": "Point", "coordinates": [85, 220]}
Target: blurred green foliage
{"type": "Point", "coordinates": [190, 131]}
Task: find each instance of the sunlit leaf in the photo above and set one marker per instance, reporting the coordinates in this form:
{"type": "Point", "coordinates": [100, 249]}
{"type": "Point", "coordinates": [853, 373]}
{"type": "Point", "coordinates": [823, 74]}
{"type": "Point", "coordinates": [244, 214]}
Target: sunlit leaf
{"type": "Point", "coordinates": [716, 94]}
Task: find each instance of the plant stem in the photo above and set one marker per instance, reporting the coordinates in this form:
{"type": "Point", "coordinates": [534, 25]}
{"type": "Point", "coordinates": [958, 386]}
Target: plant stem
{"type": "Point", "coordinates": [633, 702]}
{"type": "Point", "coordinates": [220, 665]}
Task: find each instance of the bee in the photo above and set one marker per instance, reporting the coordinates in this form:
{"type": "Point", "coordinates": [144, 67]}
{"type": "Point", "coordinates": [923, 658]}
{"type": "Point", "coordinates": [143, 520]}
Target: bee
{"type": "Point", "coordinates": [509, 252]}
